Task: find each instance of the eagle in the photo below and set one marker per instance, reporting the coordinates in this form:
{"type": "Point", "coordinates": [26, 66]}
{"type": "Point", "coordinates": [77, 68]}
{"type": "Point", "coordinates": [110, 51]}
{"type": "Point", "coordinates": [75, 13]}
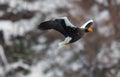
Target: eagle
{"type": "Point", "coordinates": [65, 27]}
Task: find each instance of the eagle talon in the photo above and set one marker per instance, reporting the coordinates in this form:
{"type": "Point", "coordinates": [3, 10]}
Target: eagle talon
{"type": "Point", "coordinates": [66, 44]}
{"type": "Point", "coordinates": [60, 45]}
{"type": "Point", "coordinates": [63, 44]}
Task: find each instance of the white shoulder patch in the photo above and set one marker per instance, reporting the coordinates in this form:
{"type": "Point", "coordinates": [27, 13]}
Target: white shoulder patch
{"type": "Point", "coordinates": [84, 25]}
{"type": "Point", "coordinates": [67, 22]}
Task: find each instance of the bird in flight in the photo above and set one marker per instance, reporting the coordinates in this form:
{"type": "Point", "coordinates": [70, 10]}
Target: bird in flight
{"type": "Point", "coordinates": [64, 26]}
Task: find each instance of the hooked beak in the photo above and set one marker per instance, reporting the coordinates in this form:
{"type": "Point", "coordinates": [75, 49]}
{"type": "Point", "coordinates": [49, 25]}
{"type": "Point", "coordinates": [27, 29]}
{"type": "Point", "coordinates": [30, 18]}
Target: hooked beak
{"type": "Point", "coordinates": [90, 29]}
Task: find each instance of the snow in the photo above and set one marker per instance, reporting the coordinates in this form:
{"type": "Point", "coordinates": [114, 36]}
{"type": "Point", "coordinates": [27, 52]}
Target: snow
{"type": "Point", "coordinates": [3, 56]}
{"type": "Point", "coordinates": [79, 46]}
{"type": "Point", "coordinates": [2, 1]}
{"type": "Point", "coordinates": [75, 10]}
{"type": "Point", "coordinates": [115, 47]}
{"type": "Point", "coordinates": [7, 27]}
{"type": "Point", "coordinates": [76, 66]}
{"type": "Point", "coordinates": [39, 47]}
{"type": "Point", "coordinates": [42, 39]}
{"type": "Point", "coordinates": [10, 67]}
{"type": "Point", "coordinates": [104, 30]}
{"type": "Point", "coordinates": [57, 72]}
{"type": "Point", "coordinates": [104, 2]}
{"type": "Point", "coordinates": [118, 1]}
{"type": "Point", "coordinates": [100, 1]}
{"type": "Point", "coordinates": [15, 65]}
{"type": "Point", "coordinates": [38, 5]}
{"type": "Point", "coordinates": [108, 57]}
{"type": "Point", "coordinates": [102, 16]}
{"type": "Point", "coordinates": [13, 29]}
{"type": "Point", "coordinates": [1, 71]}
{"type": "Point", "coordinates": [118, 74]}
{"type": "Point", "coordinates": [17, 28]}
{"type": "Point", "coordinates": [95, 10]}
{"type": "Point", "coordinates": [38, 69]}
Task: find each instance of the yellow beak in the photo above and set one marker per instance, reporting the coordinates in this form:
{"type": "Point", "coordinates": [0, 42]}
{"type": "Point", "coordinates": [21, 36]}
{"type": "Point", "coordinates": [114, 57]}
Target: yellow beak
{"type": "Point", "coordinates": [90, 29]}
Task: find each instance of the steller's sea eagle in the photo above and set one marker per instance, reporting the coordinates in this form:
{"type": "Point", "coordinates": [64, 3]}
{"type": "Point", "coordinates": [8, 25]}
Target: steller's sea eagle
{"type": "Point", "coordinates": [65, 27]}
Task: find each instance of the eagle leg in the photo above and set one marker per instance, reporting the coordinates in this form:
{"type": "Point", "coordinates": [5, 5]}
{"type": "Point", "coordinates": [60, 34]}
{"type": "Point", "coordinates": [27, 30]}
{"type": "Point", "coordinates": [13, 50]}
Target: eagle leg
{"type": "Point", "coordinates": [65, 42]}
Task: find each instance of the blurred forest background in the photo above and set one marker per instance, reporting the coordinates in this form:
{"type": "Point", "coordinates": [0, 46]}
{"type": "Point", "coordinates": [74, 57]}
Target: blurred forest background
{"type": "Point", "coordinates": [26, 51]}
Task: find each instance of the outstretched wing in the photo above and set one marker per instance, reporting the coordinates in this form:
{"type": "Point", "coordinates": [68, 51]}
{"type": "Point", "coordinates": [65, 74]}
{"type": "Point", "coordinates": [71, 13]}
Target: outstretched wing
{"type": "Point", "coordinates": [67, 22]}
{"type": "Point", "coordinates": [69, 27]}
{"type": "Point", "coordinates": [54, 24]}
{"type": "Point", "coordinates": [63, 25]}
{"type": "Point", "coordinates": [46, 25]}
